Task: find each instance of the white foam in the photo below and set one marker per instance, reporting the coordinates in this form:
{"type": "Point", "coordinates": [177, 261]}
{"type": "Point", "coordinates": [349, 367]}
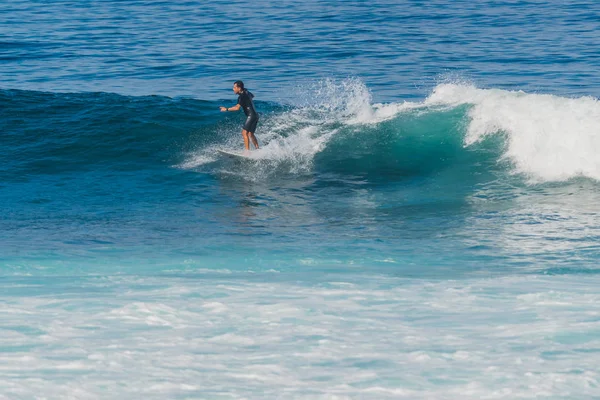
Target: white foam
{"type": "Point", "coordinates": [368, 337]}
{"type": "Point", "coordinates": [493, 339]}
{"type": "Point", "coordinates": [549, 138]}
{"type": "Point", "coordinates": [291, 139]}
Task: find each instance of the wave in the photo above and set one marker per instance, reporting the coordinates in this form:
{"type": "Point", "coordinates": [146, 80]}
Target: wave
{"type": "Point", "coordinates": [333, 127]}
{"type": "Point", "coordinates": [548, 138]}
{"type": "Point", "coordinates": [54, 133]}
{"type": "Point", "coordinates": [542, 138]}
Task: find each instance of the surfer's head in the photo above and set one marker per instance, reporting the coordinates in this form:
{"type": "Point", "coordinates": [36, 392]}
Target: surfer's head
{"type": "Point", "coordinates": [238, 87]}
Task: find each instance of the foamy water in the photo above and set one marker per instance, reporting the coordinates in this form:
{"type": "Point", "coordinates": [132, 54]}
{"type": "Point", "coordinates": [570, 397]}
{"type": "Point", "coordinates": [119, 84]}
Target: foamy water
{"type": "Point", "coordinates": [371, 337]}
{"type": "Point", "coordinates": [549, 138]}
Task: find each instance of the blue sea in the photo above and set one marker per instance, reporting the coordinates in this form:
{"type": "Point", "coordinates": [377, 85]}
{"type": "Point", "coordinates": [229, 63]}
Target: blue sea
{"type": "Point", "coordinates": [422, 220]}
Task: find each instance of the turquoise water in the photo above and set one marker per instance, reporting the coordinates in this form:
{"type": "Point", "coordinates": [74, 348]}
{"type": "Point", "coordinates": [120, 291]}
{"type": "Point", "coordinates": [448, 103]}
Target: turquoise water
{"type": "Point", "coordinates": [422, 220]}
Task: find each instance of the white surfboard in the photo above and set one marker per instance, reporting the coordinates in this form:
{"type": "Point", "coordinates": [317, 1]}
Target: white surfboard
{"type": "Point", "coordinates": [247, 155]}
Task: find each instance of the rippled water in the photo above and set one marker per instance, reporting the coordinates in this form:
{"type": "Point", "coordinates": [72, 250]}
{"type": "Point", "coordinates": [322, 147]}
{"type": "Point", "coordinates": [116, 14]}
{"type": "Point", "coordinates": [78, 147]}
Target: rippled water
{"type": "Point", "coordinates": [400, 49]}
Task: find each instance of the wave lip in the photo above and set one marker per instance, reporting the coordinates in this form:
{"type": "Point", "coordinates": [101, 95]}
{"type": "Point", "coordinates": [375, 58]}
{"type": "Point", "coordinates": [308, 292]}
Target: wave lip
{"type": "Point", "coordinates": [548, 138]}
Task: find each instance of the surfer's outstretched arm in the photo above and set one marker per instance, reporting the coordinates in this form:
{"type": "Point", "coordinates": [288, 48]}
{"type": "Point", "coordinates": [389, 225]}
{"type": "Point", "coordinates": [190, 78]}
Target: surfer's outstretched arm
{"type": "Point", "coordinates": [234, 108]}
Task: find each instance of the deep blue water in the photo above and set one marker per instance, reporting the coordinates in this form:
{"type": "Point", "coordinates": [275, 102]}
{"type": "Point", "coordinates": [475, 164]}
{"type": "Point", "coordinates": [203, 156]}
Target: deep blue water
{"type": "Point", "coordinates": [422, 220]}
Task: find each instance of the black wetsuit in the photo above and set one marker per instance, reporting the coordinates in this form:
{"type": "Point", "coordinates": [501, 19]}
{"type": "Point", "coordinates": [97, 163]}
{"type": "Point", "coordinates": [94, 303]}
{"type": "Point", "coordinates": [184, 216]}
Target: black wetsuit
{"type": "Point", "coordinates": [245, 100]}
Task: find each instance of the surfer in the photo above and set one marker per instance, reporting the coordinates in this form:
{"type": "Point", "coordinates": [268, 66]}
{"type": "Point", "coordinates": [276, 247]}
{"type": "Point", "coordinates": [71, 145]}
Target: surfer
{"type": "Point", "coordinates": [246, 103]}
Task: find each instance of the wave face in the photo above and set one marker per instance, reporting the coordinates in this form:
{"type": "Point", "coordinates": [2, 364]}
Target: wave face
{"type": "Point", "coordinates": [336, 129]}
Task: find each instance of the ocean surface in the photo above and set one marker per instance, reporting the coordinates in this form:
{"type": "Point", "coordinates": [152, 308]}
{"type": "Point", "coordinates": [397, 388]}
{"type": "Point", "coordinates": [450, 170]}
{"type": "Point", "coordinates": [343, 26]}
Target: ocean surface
{"type": "Point", "coordinates": [422, 220]}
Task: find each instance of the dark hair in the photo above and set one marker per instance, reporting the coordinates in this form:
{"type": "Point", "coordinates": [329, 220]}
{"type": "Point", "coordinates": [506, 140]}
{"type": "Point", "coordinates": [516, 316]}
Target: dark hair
{"type": "Point", "coordinates": [239, 84]}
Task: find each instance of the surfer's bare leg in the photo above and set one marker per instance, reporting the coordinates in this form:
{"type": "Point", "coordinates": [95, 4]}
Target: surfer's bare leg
{"type": "Point", "coordinates": [246, 141]}
{"type": "Point", "coordinates": [253, 138]}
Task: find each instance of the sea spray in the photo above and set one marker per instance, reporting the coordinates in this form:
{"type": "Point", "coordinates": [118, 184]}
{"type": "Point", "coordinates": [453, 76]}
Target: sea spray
{"type": "Point", "coordinates": [548, 138]}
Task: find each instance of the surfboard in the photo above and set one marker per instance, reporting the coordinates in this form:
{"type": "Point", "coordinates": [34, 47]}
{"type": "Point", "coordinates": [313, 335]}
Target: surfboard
{"type": "Point", "coordinates": [236, 155]}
